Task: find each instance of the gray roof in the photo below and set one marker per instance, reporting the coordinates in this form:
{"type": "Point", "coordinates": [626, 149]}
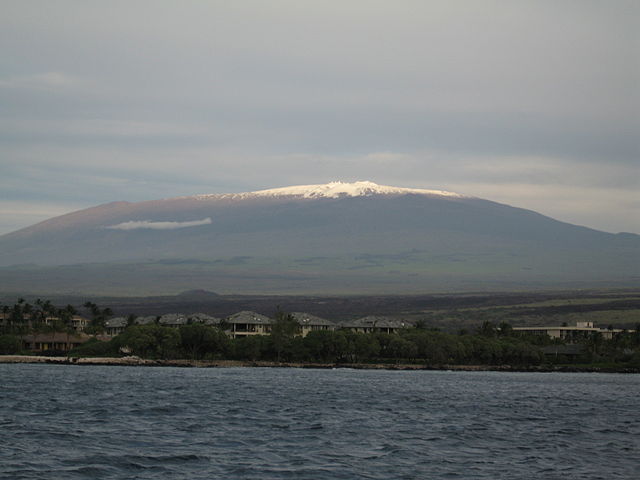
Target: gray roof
{"type": "Point", "coordinates": [249, 318]}
{"type": "Point", "coordinates": [204, 319]}
{"type": "Point", "coordinates": [308, 319]}
{"type": "Point", "coordinates": [173, 319]}
{"type": "Point", "coordinates": [116, 322]}
{"type": "Point", "coordinates": [373, 321]}
{"type": "Point", "coordinates": [145, 320]}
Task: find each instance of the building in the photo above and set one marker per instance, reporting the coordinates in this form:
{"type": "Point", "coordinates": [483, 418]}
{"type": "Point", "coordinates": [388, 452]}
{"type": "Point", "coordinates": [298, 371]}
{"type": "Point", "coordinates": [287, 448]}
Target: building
{"type": "Point", "coordinates": [375, 324]}
{"type": "Point", "coordinates": [204, 319]}
{"type": "Point", "coordinates": [246, 323]}
{"type": "Point", "coordinates": [581, 331]}
{"type": "Point", "coordinates": [79, 323]}
{"type": "Point", "coordinates": [55, 341]}
{"type": "Point", "coordinates": [311, 323]}
{"type": "Point", "coordinates": [177, 320]}
{"type": "Point", "coordinates": [145, 320]}
{"type": "Point", "coordinates": [174, 320]}
{"type": "Point", "coordinates": [115, 326]}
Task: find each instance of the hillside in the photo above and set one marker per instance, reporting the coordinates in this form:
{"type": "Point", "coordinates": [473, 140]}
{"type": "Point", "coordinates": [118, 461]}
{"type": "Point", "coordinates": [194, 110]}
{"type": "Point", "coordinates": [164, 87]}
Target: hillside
{"type": "Point", "coordinates": [333, 238]}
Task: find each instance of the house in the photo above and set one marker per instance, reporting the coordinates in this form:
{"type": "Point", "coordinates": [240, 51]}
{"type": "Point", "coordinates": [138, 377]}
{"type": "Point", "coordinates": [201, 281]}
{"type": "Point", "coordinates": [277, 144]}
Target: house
{"type": "Point", "coordinates": [173, 320]}
{"type": "Point", "coordinates": [248, 323]}
{"type": "Point", "coordinates": [55, 341]}
{"type": "Point", "coordinates": [79, 323]}
{"type": "Point", "coordinates": [204, 319]}
{"type": "Point", "coordinates": [580, 332]}
{"type": "Point", "coordinates": [145, 320]}
{"type": "Point", "coordinates": [115, 326]}
{"type": "Point", "coordinates": [311, 323]}
{"type": "Point", "coordinates": [375, 324]}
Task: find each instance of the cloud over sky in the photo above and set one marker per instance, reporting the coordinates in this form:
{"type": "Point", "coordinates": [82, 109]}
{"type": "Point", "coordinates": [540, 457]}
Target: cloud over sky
{"type": "Point", "coordinates": [534, 104]}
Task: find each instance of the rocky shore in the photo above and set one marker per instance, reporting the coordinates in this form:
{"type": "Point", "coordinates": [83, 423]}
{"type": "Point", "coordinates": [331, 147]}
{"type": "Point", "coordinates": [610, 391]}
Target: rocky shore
{"type": "Point", "coordinates": [137, 361]}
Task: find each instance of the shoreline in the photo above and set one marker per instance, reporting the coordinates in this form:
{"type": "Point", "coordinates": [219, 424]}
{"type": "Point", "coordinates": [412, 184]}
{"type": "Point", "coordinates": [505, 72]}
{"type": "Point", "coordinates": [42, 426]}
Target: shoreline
{"type": "Point", "coordinates": [141, 362]}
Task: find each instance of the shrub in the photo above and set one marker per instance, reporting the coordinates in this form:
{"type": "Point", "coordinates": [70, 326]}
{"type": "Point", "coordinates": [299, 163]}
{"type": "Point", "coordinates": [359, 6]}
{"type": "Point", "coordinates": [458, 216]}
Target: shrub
{"type": "Point", "coordinates": [10, 344]}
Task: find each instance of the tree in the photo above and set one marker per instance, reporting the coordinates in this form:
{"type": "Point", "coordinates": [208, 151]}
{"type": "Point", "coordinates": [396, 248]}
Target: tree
{"type": "Point", "coordinates": [197, 340]}
{"type": "Point", "coordinates": [420, 325]}
{"type": "Point", "coordinates": [249, 347]}
{"type": "Point", "coordinates": [10, 344]}
{"type": "Point", "coordinates": [505, 329]}
{"type": "Point", "coordinates": [152, 341]}
{"type": "Point", "coordinates": [400, 347]}
{"type": "Point", "coordinates": [487, 329]}
{"type": "Point", "coordinates": [98, 317]}
{"type": "Point", "coordinates": [365, 347]}
{"type": "Point", "coordinates": [326, 345]}
{"type": "Point", "coordinates": [283, 330]}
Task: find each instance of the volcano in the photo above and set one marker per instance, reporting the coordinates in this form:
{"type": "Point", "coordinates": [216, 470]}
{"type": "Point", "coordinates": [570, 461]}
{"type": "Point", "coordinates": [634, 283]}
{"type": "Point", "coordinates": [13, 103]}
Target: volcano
{"type": "Point", "coordinates": [331, 238]}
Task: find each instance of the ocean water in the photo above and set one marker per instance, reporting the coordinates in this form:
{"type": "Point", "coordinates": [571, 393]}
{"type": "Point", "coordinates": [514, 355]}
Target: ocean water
{"type": "Point", "coordinates": [90, 422]}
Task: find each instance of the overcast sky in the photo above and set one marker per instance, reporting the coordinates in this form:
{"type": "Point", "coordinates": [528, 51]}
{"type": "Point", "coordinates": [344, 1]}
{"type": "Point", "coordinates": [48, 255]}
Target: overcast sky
{"type": "Point", "coordinates": [535, 104]}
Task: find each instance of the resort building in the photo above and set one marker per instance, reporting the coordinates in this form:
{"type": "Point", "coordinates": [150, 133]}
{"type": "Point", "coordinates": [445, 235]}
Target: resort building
{"type": "Point", "coordinates": [145, 320]}
{"type": "Point", "coordinates": [577, 333]}
{"type": "Point", "coordinates": [311, 323]}
{"type": "Point", "coordinates": [173, 320]}
{"type": "Point", "coordinates": [56, 341]}
{"type": "Point", "coordinates": [245, 323]}
{"type": "Point", "coordinates": [204, 319]}
{"type": "Point", "coordinates": [79, 323]}
{"type": "Point", "coordinates": [375, 324]}
{"type": "Point", "coordinates": [115, 326]}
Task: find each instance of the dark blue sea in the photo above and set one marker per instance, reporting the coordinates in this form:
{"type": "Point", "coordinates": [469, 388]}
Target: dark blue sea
{"type": "Point", "coordinates": [92, 422]}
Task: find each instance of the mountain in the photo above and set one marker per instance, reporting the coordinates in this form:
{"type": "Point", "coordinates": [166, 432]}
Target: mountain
{"type": "Point", "coordinates": [331, 238]}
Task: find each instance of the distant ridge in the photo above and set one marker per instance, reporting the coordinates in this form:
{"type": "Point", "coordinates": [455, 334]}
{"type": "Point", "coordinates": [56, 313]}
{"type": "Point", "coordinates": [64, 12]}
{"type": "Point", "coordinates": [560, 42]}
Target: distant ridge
{"type": "Point", "coordinates": [198, 294]}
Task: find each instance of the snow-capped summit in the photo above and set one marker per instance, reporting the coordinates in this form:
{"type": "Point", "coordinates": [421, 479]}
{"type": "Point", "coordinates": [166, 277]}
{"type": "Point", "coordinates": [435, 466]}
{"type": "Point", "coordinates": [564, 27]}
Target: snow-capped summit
{"type": "Point", "coordinates": [337, 190]}
{"type": "Point", "coordinates": [342, 189]}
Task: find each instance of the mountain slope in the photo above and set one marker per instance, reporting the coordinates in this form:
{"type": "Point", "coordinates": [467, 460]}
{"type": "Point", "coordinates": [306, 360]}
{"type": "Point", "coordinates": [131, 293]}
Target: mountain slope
{"type": "Point", "coordinates": [362, 231]}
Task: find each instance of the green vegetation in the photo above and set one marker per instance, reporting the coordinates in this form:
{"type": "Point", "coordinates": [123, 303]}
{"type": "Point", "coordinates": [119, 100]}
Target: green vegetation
{"type": "Point", "coordinates": [484, 336]}
{"type": "Point", "coordinates": [10, 345]}
{"type": "Point", "coordinates": [98, 317]}
{"type": "Point", "coordinates": [41, 317]}
{"type": "Point", "coordinates": [621, 311]}
{"type": "Point", "coordinates": [489, 346]}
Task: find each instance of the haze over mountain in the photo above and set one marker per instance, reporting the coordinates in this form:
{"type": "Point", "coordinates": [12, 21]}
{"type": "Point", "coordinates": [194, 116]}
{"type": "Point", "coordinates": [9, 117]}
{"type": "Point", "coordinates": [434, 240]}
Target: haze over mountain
{"type": "Point", "coordinates": [330, 238]}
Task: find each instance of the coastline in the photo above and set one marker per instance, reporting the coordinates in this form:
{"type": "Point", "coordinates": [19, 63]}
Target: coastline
{"type": "Point", "coordinates": [141, 362]}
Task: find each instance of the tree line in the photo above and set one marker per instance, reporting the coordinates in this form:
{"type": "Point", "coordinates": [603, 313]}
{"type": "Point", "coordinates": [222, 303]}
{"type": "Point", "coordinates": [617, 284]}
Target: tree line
{"type": "Point", "coordinates": [200, 342]}
{"type": "Point", "coordinates": [489, 344]}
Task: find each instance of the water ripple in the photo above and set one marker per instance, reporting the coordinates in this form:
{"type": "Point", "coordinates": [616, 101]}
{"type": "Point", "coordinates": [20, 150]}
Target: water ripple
{"type": "Point", "coordinates": [90, 422]}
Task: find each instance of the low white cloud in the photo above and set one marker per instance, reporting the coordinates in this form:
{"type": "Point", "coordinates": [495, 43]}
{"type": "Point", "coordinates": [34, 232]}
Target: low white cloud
{"type": "Point", "coordinates": [135, 225]}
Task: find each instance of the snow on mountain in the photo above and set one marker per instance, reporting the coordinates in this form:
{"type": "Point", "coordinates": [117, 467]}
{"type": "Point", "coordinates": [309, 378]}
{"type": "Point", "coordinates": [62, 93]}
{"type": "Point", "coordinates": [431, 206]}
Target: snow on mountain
{"type": "Point", "coordinates": [333, 190]}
